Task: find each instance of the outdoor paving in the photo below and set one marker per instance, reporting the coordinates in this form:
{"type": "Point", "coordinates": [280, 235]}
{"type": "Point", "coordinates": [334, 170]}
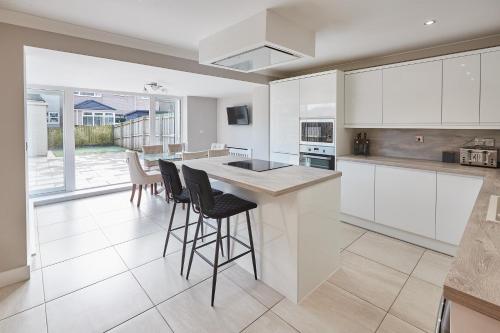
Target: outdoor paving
{"type": "Point", "coordinates": [46, 173]}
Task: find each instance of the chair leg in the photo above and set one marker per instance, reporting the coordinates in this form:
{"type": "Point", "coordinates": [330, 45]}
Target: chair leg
{"type": "Point", "coordinates": [185, 239]}
{"type": "Point", "coordinates": [169, 229]}
{"type": "Point", "coordinates": [140, 195]}
{"type": "Point", "coordinates": [200, 221]}
{"type": "Point", "coordinates": [152, 189]}
{"type": "Point", "coordinates": [250, 237]}
{"type": "Point", "coordinates": [183, 206]}
{"type": "Point", "coordinates": [134, 186]}
{"type": "Point", "coordinates": [228, 240]}
{"type": "Point", "coordinates": [156, 188]}
{"type": "Point", "coordinates": [216, 260]}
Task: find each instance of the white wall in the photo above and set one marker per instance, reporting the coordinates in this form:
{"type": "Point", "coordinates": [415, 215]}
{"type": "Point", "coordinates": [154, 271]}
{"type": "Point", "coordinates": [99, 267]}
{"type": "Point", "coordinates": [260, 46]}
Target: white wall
{"type": "Point", "coordinates": [255, 135]}
{"type": "Point", "coordinates": [199, 122]}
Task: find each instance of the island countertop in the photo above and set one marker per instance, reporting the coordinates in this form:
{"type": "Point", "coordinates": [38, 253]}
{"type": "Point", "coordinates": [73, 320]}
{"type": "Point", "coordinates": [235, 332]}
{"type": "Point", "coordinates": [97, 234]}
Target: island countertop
{"type": "Point", "coordinates": [474, 277]}
{"type": "Point", "coordinates": [273, 182]}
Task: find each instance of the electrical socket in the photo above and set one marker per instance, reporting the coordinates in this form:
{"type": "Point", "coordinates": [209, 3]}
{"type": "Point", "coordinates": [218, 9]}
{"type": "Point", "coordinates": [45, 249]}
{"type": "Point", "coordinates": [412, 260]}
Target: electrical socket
{"type": "Point", "coordinates": [419, 138]}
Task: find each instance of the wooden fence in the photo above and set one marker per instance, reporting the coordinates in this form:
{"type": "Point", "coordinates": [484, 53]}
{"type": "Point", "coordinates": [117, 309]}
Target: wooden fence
{"type": "Point", "coordinates": [84, 136]}
{"type": "Point", "coordinates": [133, 134]}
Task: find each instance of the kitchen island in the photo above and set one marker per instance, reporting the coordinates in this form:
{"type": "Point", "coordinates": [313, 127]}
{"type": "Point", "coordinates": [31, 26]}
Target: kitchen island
{"type": "Point", "coordinates": [295, 226]}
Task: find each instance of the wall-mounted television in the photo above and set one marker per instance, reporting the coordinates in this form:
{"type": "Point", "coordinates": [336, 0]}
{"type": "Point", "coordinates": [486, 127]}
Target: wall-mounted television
{"type": "Point", "coordinates": [238, 115]}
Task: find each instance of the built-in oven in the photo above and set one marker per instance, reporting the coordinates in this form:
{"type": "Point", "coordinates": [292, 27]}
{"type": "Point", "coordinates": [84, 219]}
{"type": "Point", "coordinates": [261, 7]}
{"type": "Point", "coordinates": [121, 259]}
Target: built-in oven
{"type": "Point", "coordinates": [318, 132]}
{"type": "Point", "coordinates": [322, 157]}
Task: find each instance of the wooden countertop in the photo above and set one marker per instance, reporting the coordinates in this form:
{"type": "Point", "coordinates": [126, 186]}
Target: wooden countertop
{"type": "Point", "coordinates": [273, 182]}
{"type": "Point", "coordinates": [474, 278]}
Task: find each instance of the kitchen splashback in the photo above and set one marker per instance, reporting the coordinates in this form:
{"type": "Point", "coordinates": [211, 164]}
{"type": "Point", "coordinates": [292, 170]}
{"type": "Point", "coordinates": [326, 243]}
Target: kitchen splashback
{"type": "Point", "coordinates": [401, 142]}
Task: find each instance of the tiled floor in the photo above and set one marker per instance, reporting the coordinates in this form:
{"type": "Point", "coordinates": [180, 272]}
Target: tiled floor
{"type": "Point", "coordinates": [102, 269]}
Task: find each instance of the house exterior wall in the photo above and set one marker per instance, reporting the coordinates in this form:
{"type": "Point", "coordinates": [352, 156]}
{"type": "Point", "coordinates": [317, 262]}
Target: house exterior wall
{"type": "Point", "coordinates": [36, 121]}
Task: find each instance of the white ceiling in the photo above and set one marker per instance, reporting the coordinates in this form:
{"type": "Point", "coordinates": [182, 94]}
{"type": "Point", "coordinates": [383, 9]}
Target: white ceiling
{"type": "Point", "coordinates": [47, 67]}
{"type": "Point", "coordinates": [346, 29]}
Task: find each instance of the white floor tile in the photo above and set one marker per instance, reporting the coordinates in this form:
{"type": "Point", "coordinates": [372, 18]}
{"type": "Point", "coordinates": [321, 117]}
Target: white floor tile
{"type": "Point", "coordinates": [145, 249]}
{"type": "Point", "coordinates": [65, 229]}
{"type": "Point", "coordinates": [71, 275]}
{"type": "Point", "coordinates": [22, 295]}
{"type": "Point", "coordinates": [190, 311]}
{"type": "Point", "coordinates": [99, 307]}
{"type": "Point", "coordinates": [148, 322]}
{"type": "Point", "coordinates": [130, 230]}
{"type": "Point", "coordinates": [71, 247]}
{"type": "Point", "coordinates": [30, 321]}
{"type": "Point", "coordinates": [269, 322]}
{"type": "Point", "coordinates": [161, 278]}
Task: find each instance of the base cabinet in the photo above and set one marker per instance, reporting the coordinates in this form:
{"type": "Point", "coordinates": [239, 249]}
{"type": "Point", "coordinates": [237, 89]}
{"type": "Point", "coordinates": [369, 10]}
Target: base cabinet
{"type": "Point", "coordinates": [358, 189]}
{"type": "Point", "coordinates": [406, 199]}
{"type": "Point", "coordinates": [456, 196]}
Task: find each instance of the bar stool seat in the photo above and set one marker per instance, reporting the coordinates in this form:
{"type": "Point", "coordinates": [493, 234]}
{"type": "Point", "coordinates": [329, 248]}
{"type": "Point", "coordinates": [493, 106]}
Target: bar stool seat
{"type": "Point", "coordinates": [218, 208]}
{"type": "Point", "coordinates": [227, 205]}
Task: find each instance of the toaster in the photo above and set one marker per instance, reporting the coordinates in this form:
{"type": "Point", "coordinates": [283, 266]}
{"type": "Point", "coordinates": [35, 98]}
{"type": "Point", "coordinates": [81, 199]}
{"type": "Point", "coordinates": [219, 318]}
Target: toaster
{"type": "Point", "coordinates": [480, 152]}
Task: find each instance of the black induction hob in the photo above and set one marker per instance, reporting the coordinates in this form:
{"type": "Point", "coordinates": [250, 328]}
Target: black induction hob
{"type": "Point", "coordinates": [258, 165]}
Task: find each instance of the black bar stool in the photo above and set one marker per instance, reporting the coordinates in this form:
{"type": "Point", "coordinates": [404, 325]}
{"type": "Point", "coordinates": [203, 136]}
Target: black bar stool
{"type": "Point", "coordinates": [216, 207]}
{"type": "Point", "coordinates": [179, 195]}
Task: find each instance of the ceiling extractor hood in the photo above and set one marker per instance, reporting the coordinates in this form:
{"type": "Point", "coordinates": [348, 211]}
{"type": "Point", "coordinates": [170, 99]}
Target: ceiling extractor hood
{"type": "Point", "coordinates": [262, 41]}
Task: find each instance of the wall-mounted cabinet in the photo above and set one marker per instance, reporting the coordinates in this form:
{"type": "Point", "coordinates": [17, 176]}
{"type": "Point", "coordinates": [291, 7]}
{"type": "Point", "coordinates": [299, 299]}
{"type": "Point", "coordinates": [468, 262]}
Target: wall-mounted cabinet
{"type": "Point", "coordinates": [363, 98]}
{"type": "Point", "coordinates": [318, 96]}
{"type": "Point", "coordinates": [412, 94]}
{"type": "Point", "coordinates": [490, 88]}
{"type": "Point", "coordinates": [461, 82]}
{"type": "Point", "coordinates": [453, 91]}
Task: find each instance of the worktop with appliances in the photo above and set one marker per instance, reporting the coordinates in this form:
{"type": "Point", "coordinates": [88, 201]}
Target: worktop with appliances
{"type": "Point", "coordinates": [472, 284]}
{"type": "Point", "coordinates": [295, 225]}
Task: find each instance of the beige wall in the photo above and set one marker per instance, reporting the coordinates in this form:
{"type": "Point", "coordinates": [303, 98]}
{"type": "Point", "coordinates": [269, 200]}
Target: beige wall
{"type": "Point", "coordinates": [12, 169]}
{"type": "Point", "coordinates": [201, 122]}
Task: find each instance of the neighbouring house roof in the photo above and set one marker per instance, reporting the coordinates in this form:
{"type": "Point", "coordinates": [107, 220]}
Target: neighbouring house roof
{"type": "Point", "coordinates": [90, 104]}
{"type": "Point", "coordinates": [136, 114]}
{"type": "Point", "coordinates": [35, 98]}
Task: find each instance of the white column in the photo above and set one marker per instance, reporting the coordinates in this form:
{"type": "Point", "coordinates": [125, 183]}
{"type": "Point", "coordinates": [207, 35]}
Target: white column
{"type": "Point", "coordinates": [152, 120]}
{"type": "Point", "coordinates": [69, 139]}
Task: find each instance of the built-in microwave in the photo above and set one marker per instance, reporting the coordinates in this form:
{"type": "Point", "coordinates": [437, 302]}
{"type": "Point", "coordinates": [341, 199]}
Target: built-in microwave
{"type": "Point", "coordinates": [318, 132]}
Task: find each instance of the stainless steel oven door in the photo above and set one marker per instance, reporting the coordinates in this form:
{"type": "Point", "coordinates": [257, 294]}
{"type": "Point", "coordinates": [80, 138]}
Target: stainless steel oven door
{"type": "Point", "coordinates": [316, 161]}
{"type": "Point", "coordinates": [319, 132]}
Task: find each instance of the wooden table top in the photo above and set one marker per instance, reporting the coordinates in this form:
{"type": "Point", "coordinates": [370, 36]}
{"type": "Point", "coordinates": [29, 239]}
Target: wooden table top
{"type": "Point", "coordinates": [273, 182]}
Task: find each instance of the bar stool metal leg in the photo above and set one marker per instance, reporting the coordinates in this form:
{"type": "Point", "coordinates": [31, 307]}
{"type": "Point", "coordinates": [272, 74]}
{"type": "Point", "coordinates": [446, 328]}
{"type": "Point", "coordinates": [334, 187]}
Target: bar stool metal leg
{"type": "Point", "coordinates": [249, 227]}
{"type": "Point", "coordinates": [216, 259]}
{"type": "Point", "coordinates": [200, 221]}
{"type": "Point", "coordinates": [228, 249]}
{"type": "Point", "coordinates": [186, 228]}
{"type": "Point", "coordinates": [169, 229]}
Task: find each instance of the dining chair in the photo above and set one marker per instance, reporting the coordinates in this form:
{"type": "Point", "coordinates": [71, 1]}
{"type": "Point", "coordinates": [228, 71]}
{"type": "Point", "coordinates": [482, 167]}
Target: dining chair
{"type": "Point", "coordinates": [194, 155]}
{"type": "Point", "coordinates": [152, 149]}
{"type": "Point", "coordinates": [175, 148]}
{"type": "Point", "coordinates": [218, 152]}
{"type": "Point", "coordinates": [217, 145]}
{"type": "Point", "coordinates": [139, 177]}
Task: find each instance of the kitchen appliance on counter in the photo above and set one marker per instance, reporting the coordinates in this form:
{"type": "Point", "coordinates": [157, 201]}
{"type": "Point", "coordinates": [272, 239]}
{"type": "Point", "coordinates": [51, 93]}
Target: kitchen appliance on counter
{"type": "Point", "coordinates": [317, 132]}
{"type": "Point", "coordinates": [361, 145]}
{"type": "Point", "coordinates": [322, 157]}
{"type": "Point", "coordinates": [479, 152]}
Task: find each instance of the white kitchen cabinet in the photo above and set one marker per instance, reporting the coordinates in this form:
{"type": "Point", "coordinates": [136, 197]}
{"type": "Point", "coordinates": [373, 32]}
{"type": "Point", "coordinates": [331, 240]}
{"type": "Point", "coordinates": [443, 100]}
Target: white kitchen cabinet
{"type": "Point", "coordinates": [318, 96]}
{"type": "Point", "coordinates": [412, 94]}
{"type": "Point", "coordinates": [461, 82]}
{"type": "Point", "coordinates": [363, 98]}
{"type": "Point", "coordinates": [406, 199]}
{"type": "Point", "coordinates": [285, 158]}
{"type": "Point", "coordinates": [490, 88]}
{"type": "Point", "coordinates": [357, 189]}
{"type": "Point", "coordinates": [284, 119]}
{"type": "Point", "coordinates": [456, 195]}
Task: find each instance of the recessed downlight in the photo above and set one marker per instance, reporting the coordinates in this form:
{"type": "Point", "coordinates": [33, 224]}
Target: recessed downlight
{"type": "Point", "coordinates": [429, 22]}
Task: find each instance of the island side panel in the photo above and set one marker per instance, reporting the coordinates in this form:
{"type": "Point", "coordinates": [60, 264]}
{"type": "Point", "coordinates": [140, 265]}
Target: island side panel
{"type": "Point", "coordinates": [318, 244]}
{"type": "Point", "coordinates": [275, 232]}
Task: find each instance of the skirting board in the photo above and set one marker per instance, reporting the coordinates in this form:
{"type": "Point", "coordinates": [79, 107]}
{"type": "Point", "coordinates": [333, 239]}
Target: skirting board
{"type": "Point", "coordinates": [14, 275]}
{"type": "Point", "coordinates": [428, 243]}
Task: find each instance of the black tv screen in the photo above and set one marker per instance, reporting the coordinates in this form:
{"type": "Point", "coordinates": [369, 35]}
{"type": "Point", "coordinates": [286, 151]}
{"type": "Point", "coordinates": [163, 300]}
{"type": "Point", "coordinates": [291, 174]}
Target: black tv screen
{"type": "Point", "coordinates": [238, 115]}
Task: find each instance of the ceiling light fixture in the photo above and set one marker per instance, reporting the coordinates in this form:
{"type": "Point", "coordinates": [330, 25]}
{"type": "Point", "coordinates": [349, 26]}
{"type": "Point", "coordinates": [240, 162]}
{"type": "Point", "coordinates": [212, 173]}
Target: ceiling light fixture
{"type": "Point", "coordinates": [154, 88]}
{"type": "Point", "coordinates": [429, 22]}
